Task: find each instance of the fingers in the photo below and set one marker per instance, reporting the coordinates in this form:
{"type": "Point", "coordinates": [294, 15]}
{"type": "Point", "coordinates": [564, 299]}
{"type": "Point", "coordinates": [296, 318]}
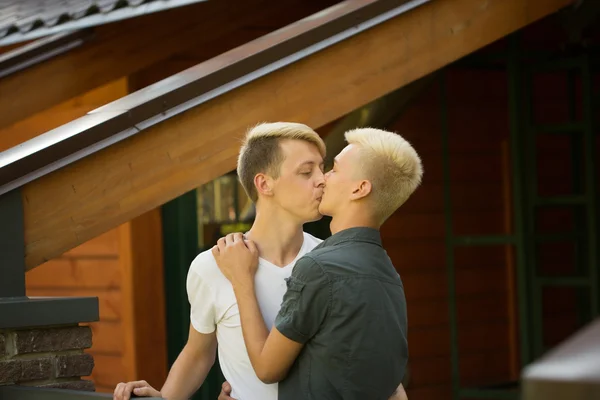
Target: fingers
{"type": "Point", "coordinates": [225, 392]}
{"type": "Point", "coordinates": [251, 246]}
{"type": "Point", "coordinates": [238, 237]}
{"type": "Point", "coordinates": [230, 239]}
{"type": "Point", "coordinates": [123, 390]}
{"type": "Point", "coordinates": [118, 393]}
{"type": "Point", "coordinates": [146, 391]}
{"type": "Point", "coordinates": [221, 244]}
{"type": "Point", "coordinates": [226, 387]}
{"type": "Point", "coordinates": [215, 251]}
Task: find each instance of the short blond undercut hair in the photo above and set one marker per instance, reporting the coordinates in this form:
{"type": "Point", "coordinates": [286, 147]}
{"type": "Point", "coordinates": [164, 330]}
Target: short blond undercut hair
{"type": "Point", "coordinates": [261, 153]}
{"type": "Point", "coordinates": [392, 166]}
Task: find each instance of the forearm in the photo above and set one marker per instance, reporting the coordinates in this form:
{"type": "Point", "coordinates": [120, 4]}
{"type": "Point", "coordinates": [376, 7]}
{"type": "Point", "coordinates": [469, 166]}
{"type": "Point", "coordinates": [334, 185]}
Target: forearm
{"type": "Point", "coordinates": [254, 330]}
{"type": "Point", "coordinates": [187, 375]}
{"type": "Point", "coordinates": [399, 394]}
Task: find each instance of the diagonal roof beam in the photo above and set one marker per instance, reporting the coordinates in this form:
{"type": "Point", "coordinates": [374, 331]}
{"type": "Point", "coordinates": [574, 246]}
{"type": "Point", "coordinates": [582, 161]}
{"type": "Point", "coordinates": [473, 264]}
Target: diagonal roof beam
{"type": "Point", "coordinates": [101, 191]}
{"type": "Point", "coordinates": [121, 49]}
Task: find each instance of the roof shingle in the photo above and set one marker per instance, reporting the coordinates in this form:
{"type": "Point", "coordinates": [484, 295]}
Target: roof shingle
{"type": "Point", "coordinates": [25, 20]}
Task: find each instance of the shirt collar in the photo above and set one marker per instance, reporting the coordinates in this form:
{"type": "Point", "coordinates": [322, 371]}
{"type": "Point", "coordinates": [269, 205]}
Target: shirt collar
{"type": "Point", "coordinates": [358, 234]}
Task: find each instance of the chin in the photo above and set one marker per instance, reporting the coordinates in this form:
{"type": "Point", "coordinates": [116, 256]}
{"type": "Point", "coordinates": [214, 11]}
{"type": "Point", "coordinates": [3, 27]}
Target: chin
{"type": "Point", "coordinates": [323, 211]}
{"type": "Point", "coordinates": [315, 217]}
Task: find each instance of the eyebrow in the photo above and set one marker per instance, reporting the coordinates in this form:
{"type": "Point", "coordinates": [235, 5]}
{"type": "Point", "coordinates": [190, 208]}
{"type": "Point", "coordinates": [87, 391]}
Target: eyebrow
{"type": "Point", "coordinates": [311, 163]}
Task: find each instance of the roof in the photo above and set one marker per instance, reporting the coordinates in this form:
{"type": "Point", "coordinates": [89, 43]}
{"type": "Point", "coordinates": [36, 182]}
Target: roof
{"type": "Point", "coordinates": [26, 20]}
{"type": "Point", "coordinates": [140, 110]}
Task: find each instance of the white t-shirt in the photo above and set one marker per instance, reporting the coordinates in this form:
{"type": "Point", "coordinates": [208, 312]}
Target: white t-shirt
{"type": "Point", "coordinates": [213, 306]}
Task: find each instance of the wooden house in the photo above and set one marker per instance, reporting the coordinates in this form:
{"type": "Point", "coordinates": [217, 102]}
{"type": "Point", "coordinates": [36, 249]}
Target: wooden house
{"type": "Point", "coordinates": [132, 174]}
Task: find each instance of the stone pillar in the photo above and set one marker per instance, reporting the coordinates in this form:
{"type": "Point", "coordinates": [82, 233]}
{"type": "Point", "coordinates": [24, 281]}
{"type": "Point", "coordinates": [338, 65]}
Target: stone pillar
{"type": "Point", "coordinates": [41, 342]}
{"type": "Point", "coordinates": [50, 357]}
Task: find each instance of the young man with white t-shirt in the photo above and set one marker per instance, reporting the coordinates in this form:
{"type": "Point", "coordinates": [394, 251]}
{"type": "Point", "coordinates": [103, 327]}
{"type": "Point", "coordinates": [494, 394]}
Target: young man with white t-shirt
{"type": "Point", "coordinates": [341, 331]}
{"type": "Point", "coordinates": [281, 168]}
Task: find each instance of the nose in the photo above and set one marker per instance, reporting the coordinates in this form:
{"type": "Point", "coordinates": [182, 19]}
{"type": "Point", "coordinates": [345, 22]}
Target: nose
{"type": "Point", "coordinates": [320, 181]}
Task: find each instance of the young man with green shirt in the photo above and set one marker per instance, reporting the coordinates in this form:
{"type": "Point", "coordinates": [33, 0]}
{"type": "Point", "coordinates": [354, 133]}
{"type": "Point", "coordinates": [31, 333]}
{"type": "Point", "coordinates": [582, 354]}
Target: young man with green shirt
{"type": "Point", "coordinates": [341, 330]}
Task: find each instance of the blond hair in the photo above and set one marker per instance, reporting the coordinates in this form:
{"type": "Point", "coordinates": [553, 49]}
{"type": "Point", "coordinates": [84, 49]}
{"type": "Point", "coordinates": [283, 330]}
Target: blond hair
{"type": "Point", "coordinates": [391, 165]}
{"type": "Point", "coordinates": [261, 153]}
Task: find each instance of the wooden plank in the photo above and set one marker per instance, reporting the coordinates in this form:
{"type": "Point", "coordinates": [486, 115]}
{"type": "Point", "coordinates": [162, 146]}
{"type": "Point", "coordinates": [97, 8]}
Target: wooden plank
{"type": "Point", "coordinates": [413, 255]}
{"type": "Point", "coordinates": [555, 219]}
{"type": "Point", "coordinates": [485, 368]}
{"type": "Point", "coordinates": [103, 191]}
{"type": "Point", "coordinates": [60, 114]}
{"type": "Point", "coordinates": [430, 393]}
{"type": "Point", "coordinates": [110, 300]}
{"type": "Point", "coordinates": [465, 167]}
{"type": "Point", "coordinates": [108, 338]}
{"type": "Point", "coordinates": [144, 323]}
{"type": "Point", "coordinates": [560, 300]}
{"type": "Point", "coordinates": [67, 273]}
{"type": "Point", "coordinates": [479, 368]}
{"type": "Point", "coordinates": [479, 256]}
{"type": "Point", "coordinates": [105, 245]}
{"type": "Point", "coordinates": [104, 389]}
{"type": "Point", "coordinates": [432, 225]}
{"type": "Point", "coordinates": [475, 196]}
{"type": "Point", "coordinates": [108, 370]}
{"type": "Point", "coordinates": [432, 284]}
{"type": "Point", "coordinates": [279, 14]}
{"type": "Point", "coordinates": [472, 339]}
{"type": "Point", "coordinates": [472, 309]}
{"type": "Point", "coordinates": [170, 32]}
{"type": "Point", "coordinates": [558, 328]}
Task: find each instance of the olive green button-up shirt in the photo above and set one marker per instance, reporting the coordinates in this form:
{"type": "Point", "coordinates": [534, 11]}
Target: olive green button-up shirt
{"type": "Point", "coordinates": [345, 302]}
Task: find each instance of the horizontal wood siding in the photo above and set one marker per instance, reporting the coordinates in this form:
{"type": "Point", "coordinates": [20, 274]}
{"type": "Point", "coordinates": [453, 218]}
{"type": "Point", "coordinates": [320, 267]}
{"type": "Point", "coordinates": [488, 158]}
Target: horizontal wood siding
{"type": "Point", "coordinates": [415, 235]}
{"type": "Point", "coordinates": [92, 269]}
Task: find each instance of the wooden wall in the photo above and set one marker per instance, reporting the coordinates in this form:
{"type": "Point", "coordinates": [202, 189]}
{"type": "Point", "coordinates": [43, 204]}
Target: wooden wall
{"type": "Point", "coordinates": [415, 235]}
{"type": "Point", "coordinates": [119, 267]}
{"type": "Point", "coordinates": [109, 266]}
{"type": "Point", "coordinates": [60, 114]}
{"type": "Point", "coordinates": [481, 188]}
{"type": "Point", "coordinates": [92, 269]}
{"type": "Point", "coordinates": [123, 268]}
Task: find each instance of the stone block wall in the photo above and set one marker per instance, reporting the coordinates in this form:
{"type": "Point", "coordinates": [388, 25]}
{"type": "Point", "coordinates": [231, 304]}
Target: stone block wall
{"type": "Point", "coordinates": [50, 357]}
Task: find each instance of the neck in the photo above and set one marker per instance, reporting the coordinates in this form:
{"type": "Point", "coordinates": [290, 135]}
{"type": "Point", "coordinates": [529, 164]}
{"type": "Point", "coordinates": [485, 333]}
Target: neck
{"type": "Point", "coordinates": [355, 218]}
{"type": "Point", "coordinates": [277, 236]}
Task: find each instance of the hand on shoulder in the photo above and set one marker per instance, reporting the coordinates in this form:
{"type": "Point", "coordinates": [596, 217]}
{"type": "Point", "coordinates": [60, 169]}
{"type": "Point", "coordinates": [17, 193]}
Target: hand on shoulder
{"type": "Point", "coordinates": [237, 258]}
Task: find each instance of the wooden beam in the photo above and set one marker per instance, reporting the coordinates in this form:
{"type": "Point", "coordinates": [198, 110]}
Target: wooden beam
{"type": "Point", "coordinates": [141, 258]}
{"type": "Point", "coordinates": [279, 15]}
{"type": "Point", "coordinates": [102, 191]}
{"type": "Point", "coordinates": [122, 48]}
{"type": "Point", "coordinates": [61, 114]}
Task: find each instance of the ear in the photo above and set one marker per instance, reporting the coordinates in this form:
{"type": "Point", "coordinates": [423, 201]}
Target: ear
{"type": "Point", "coordinates": [361, 190]}
{"type": "Point", "coordinates": [264, 184]}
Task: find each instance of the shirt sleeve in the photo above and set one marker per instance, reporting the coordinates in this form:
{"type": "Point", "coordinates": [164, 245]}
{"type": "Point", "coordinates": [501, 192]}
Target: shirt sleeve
{"type": "Point", "coordinates": [201, 298]}
{"type": "Point", "coordinates": [305, 303]}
